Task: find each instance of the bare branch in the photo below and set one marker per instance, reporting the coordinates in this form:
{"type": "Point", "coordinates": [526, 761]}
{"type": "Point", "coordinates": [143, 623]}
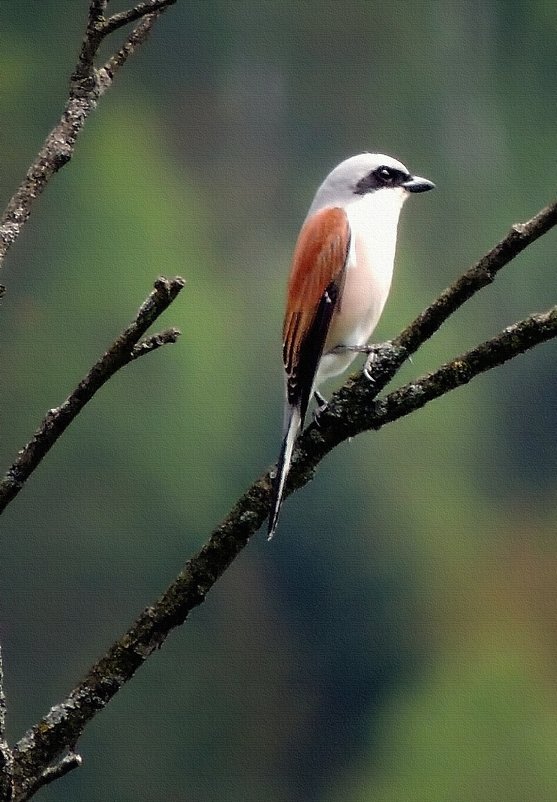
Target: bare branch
{"type": "Point", "coordinates": [351, 410]}
{"type": "Point", "coordinates": [126, 348]}
{"type": "Point", "coordinates": [480, 275]}
{"type": "Point", "coordinates": [54, 154]}
{"type": "Point", "coordinates": [135, 39]}
{"type": "Point", "coordinates": [87, 85]}
{"type": "Point", "coordinates": [155, 341]}
{"type": "Point", "coordinates": [511, 342]}
{"type": "Point", "coordinates": [68, 763]}
{"type": "Point", "coordinates": [96, 11]}
{"type": "Point", "coordinates": [133, 14]}
{"type": "Point", "coordinates": [64, 723]}
{"type": "Point", "coordinates": [6, 757]}
{"type": "Point", "coordinates": [98, 28]}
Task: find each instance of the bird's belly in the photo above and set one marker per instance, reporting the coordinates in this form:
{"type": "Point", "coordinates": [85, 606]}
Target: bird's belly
{"type": "Point", "coordinates": [365, 292]}
{"type": "Point", "coordinates": [359, 310]}
{"type": "Point", "coordinates": [366, 287]}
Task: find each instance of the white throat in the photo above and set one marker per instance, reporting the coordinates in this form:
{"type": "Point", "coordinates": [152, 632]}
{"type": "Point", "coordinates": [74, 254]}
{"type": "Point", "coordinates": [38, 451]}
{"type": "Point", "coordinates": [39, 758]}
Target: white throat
{"type": "Point", "coordinates": [374, 222]}
{"type": "Point", "coordinates": [379, 210]}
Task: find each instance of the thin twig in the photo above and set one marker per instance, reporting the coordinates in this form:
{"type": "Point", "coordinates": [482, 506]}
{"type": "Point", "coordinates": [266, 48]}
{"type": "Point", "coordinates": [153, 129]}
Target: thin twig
{"type": "Point", "coordinates": [68, 763]}
{"type": "Point", "coordinates": [96, 11]}
{"type": "Point", "coordinates": [6, 757]}
{"type": "Point", "coordinates": [126, 348]}
{"type": "Point", "coordinates": [133, 14]}
{"type": "Point", "coordinates": [2, 701]}
{"type": "Point", "coordinates": [87, 85]}
{"type": "Point", "coordinates": [139, 34]}
{"type": "Point", "coordinates": [65, 722]}
{"type": "Point", "coordinates": [154, 341]}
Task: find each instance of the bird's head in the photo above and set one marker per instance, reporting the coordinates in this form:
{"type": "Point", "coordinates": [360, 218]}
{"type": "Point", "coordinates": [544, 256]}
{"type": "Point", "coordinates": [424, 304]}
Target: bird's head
{"type": "Point", "coordinates": [364, 174]}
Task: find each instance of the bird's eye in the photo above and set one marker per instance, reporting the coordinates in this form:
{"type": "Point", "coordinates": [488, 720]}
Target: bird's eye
{"type": "Point", "coordinates": [385, 175]}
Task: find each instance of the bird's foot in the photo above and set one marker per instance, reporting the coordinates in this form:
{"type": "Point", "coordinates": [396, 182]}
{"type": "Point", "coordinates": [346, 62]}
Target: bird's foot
{"type": "Point", "coordinates": [373, 352]}
{"type": "Point", "coordinates": [368, 366]}
{"type": "Point", "coordinates": [370, 350]}
{"type": "Point", "coordinates": [321, 407]}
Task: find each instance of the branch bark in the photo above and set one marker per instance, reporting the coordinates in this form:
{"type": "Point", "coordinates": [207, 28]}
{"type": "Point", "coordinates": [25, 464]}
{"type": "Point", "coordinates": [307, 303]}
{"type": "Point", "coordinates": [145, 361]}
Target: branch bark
{"type": "Point", "coordinates": [68, 763]}
{"type": "Point", "coordinates": [87, 85]}
{"type": "Point", "coordinates": [353, 409]}
{"type": "Point", "coordinates": [481, 274]}
{"type": "Point", "coordinates": [133, 14]}
{"type": "Point", "coordinates": [125, 349]}
{"type": "Point", "coordinates": [6, 757]}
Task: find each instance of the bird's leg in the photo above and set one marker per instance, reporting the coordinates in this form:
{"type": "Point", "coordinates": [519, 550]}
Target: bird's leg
{"type": "Point", "coordinates": [321, 406]}
{"type": "Point", "coordinates": [370, 350]}
{"type": "Point", "coordinates": [319, 400]}
{"type": "Point", "coordinates": [368, 365]}
{"type": "Point", "coordinates": [356, 349]}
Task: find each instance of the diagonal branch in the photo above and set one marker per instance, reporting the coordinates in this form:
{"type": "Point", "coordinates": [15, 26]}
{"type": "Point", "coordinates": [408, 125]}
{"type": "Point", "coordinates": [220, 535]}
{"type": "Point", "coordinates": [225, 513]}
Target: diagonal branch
{"type": "Point", "coordinates": [6, 757]}
{"type": "Point", "coordinates": [64, 723]}
{"type": "Point", "coordinates": [125, 349]}
{"type": "Point", "coordinates": [68, 763]}
{"type": "Point", "coordinates": [481, 274]}
{"type": "Point", "coordinates": [352, 410]}
{"type": "Point", "coordinates": [87, 85]}
{"type": "Point", "coordinates": [133, 14]}
{"type": "Point", "coordinates": [511, 342]}
{"type": "Point", "coordinates": [353, 416]}
{"type": "Point", "coordinates": [136, 38]}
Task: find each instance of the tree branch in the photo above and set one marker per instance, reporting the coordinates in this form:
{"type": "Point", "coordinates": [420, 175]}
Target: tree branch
{"type": "Point", "coordinates": [133, 14]}
{"type": "Point", "coordinates": [352, 409]}
{"type": "Point", "coordinates": [6, 757]}
{"type": "Point", "coordinates": [68, 763]}
{"type": "Point", "coordinates": [352, 416]}
{"type": "Point", "coordinates": [64, 723]}
{"type": "Point", "coordinates": [126, 348]}
{"type": "Point", "coordinates": [154, 341]}
{"type": "Point", "coordinates": [481, 274]}
{"type": "Point", "coordinates": [135, 39]}
{"type": "Point", "coordinates": [87, 85]}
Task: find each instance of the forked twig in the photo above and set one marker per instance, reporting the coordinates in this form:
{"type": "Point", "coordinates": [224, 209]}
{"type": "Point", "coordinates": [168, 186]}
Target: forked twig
{"type": "Point", "coordinates": [125, 349]}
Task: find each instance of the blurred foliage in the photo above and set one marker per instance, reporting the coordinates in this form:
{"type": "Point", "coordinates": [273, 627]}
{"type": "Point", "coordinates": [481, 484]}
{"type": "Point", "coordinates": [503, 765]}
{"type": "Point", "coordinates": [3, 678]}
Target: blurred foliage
{"type": "Point", "coordinates": [397, 640]}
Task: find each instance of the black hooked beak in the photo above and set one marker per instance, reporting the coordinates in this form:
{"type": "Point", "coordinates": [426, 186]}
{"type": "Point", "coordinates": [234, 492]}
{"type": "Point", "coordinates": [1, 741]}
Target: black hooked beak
{"type": "Point", "coordinates": [417, 184]}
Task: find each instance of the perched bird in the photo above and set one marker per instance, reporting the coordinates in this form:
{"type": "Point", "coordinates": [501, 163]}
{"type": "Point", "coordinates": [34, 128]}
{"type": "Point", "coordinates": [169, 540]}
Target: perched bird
{"type": "Point", "coordinates": [339, 282]}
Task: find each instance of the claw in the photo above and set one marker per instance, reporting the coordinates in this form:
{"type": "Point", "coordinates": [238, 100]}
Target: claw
{"type": "Point", "coordinates": [367, 369]}
{"type": "Point", "coordinates": [321, 407]}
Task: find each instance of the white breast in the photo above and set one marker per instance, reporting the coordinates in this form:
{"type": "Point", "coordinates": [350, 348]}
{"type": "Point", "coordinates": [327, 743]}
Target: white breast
{"type": "Point", "coordinates": [373, 222]}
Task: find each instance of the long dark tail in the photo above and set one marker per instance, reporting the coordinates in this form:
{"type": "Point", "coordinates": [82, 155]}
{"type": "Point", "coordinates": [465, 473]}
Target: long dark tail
{"type": "Point", "coordinates": [293, 422]}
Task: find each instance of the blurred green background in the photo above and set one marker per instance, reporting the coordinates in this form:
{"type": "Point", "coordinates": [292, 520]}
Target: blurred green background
{"type": "Point", "coordinates": [396, 641]}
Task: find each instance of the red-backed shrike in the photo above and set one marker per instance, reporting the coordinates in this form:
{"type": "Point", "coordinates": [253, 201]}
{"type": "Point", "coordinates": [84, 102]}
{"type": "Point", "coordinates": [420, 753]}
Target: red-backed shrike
{"type": "Point", "coordinates": [339, 282]}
